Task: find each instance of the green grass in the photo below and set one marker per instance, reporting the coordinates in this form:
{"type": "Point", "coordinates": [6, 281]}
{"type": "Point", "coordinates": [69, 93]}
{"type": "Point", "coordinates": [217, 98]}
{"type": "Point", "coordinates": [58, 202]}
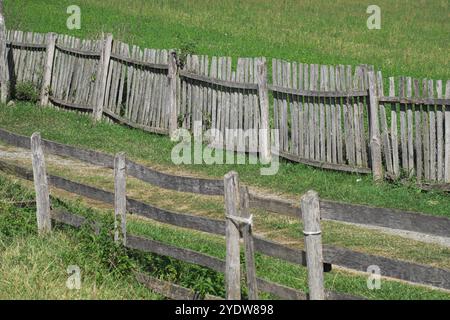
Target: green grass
{"type": "Point", "coordinates": [292, 180]}
{"type": "Point", "coordinates": [106, 268]}
{"type": "Point", "coordinates": [413, 39]}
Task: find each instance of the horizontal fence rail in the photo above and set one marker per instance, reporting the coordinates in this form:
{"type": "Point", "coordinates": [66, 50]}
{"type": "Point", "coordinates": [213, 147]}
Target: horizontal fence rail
{"type": "Point", "coordinates": [338, 256]}
{"type": "Point", "coordinates": [160, 179]}
{"type": "Point", "coordinates": [370, 216]}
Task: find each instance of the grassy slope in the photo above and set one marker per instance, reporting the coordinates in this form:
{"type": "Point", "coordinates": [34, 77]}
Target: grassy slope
{"type": "Point", "coordinates": [35, 267]}
{"type": "Point", "coordinates": [292, 179]}
{"type": "Point", "coordinates": [413, 40]}
{"type": "Point", "coordinates": [45, 259]}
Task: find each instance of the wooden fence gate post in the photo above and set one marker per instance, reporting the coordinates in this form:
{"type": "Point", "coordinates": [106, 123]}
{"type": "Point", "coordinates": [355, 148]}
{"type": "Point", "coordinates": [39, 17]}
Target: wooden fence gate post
{"type": "Point", "coordinates": [313, 244]}
{"type": "Point", "coordinates": [40, 185]}
{"type": "Point", "coordinates": [447, 136]}
{"type": "Point", "coordinates": [102, 74]}
{"type": "Point", "coordinates": [172, 98]}
{"type": "Point", "coordinates": [375, 140]}
{"type": "Point", "coordinates": [48, 68]}
{"type": "Point", "coordinates": [3, 61]}
{"type": "Point", "coordinates": [120, 198]}
{"type": "Point", "coordinates": [263, 92]}
{"type": "Point", "coordinates": [233, 264]}
{"type": "Point", "coordinates": [247, 233]}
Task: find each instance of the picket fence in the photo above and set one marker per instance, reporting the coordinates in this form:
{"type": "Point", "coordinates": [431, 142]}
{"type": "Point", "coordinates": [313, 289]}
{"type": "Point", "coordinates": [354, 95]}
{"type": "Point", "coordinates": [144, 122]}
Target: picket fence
{"type": "Point", "coordinates": [333, 117]}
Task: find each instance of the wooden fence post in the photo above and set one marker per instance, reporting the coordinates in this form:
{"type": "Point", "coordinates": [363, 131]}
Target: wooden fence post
{"type": "Point", "coordinates": [4, 86]}
{"type": "Point", "coordinates": [102, 75]}
{"type": "Point", "coordinates": [313, 244]}
{"type": "Point", "coordinates": [172, 99]}
{"type": "Point", "coordinates": [40, 185]}
{"type": "Point", "coordinates": [447, 136]}
{"type": "Point", "coordinates": [263, 92]}
{"type": "Point", "coordinates": [120, 198]}
{"type": "Point", "coordinates": [233, 267]}
{"type": "Point", "coordinates": [375, 140]}
{"type": "Point", "coordinates": [247, 233]}
{"type": "Point", "coordinates": [48, 68]}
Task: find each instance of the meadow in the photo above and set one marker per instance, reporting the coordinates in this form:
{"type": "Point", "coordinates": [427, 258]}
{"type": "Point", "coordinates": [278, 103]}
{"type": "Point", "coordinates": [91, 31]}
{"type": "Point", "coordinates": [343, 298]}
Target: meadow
{"type": "Point", "coordinates": [413, 39]}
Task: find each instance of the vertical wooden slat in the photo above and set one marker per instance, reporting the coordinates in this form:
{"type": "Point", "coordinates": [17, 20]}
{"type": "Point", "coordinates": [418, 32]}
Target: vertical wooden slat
{"type": "Point", "coordinates": [264, 135]}
{"type": "Point", "coordinates": [418, 132]}
{"type": "Point", "coordinates": [384, 126]}
{"type": "Point", "coordinates": [301, 114]}
{"type": "Point", "coordinates": [313, 244]}
{"type": "Point", "coordinates": [375, 140]}
{"type": "Point", "coordinates": [356, 118]}
{"type": "Point", "coordinates": [447, 136]}
{"type": "Point", "coordinates": [440, 134]}
{"type": "Point", "coordinates": [172, 95]}
{"type": "Point", "coordinates": [426, 132]}
{"type": "Point", "coordinates": [3, 61]}
{"type": "Point", "coordinates": [410, 128]}
{"type": "Point", "coordinates": [403, 126]}
{"type": "Point", "coordinates": [432, 146]}
{"type": "Point", "coordinates": [394, 130]}
{"type": "Point", "coordinates": [103, 73]}
{"type": "Point", "coordinates": [40, 185]}
{"type": "Point", "coordinates": [322, 132]}
{"type": "Point", "coordinates": [48, 69]}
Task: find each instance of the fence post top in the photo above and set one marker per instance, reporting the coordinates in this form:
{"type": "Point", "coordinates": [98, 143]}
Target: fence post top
{"type": "Point", "coordinates": [231, 175]}
{"type": "Point", "coordinates": [36, 135]}
{"type": "Point", "coordinates": [310, 196]}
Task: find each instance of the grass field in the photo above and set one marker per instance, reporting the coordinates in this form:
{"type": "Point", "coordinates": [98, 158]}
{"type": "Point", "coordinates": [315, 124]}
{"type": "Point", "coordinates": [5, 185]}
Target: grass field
{"type": "Point", "coordinates": [413, 39]}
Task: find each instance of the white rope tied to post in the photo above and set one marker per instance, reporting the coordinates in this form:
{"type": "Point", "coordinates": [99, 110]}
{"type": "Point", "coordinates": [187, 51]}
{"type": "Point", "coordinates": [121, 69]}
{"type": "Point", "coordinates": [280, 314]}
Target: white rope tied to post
{"type": "Point", "coordinates": [240, 220]}
{"type": "Point", "coordinates": [312, 233]}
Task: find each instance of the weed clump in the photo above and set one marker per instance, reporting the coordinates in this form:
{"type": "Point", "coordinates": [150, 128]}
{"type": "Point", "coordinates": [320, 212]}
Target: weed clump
{"type": "Point", "coordinates": [27, 91]}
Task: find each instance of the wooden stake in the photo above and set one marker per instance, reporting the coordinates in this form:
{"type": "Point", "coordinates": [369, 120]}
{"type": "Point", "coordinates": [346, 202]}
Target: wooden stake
{"type": "Point", "coordinates": [313, 244]}
{"type": "Point", "coordinates": [247, 233]}
{"type": "Point", "coordinates": [264, 136]}
{"type": "Point", "coordinates": [232, 271]}
{"type": "Point", "coordinates": [4, 90]}
{"type": "Point", "coordinates": [120, 198]}
{"type": "Point", "coordinates": [375, 143]}
{"type": "Point", "coordinates": [172, 94]}
{"type": "Point", "coordinates": [40, 185]}
{"type": "Point", "coordinates": [48, 69]}
{"type": "Point", "coordinates": [447, 136]}
{"type": "Point", "coordinates": [102, 74]}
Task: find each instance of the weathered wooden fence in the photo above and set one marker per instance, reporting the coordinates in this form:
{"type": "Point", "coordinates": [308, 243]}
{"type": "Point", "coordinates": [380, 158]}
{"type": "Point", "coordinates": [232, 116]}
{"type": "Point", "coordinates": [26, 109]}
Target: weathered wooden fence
{"type": "Point", "coordinates": [321, 113]}
{"type": "Point", "coordinates": [358, 261]}
{"type": "Point", "coordinates": [416, 140]}
{"type": "Point", "coordinates": [326, 116]}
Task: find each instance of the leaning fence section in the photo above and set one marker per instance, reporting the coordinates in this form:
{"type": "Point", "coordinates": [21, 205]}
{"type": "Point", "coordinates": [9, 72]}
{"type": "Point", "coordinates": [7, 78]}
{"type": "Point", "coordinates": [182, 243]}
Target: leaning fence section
{"type": "Point", "coordinates": [212, 94]}
{"type": "Point", "coordinates": [25, 57]}
{"type": "Point", "coordinates": [321, 112]}
{"type": "Point", "coordinates": [415, 127]}
{"type": "Point", "coordinates": [74, 72]}
{"type": "Point", "coordinates": [137, 86]}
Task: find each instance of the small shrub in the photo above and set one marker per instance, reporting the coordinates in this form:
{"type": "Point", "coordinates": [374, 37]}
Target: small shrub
{"type": "Point", "coordinates": [27, 91]}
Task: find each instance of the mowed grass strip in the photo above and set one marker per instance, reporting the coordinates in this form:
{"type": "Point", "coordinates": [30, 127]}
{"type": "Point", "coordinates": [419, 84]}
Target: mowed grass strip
{"type": "Point", "coordinates": [292, 179]}
{"type": "Point", "coordinates": [285, 230]}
